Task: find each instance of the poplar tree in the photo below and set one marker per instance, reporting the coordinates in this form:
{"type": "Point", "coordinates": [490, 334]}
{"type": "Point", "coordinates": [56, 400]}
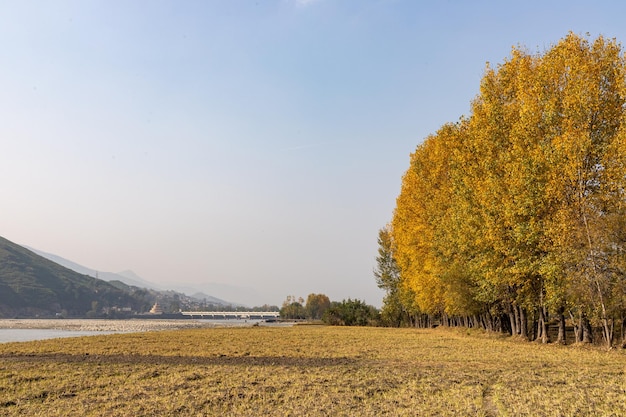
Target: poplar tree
{"type": "Point", "coordinates": [519, 209]}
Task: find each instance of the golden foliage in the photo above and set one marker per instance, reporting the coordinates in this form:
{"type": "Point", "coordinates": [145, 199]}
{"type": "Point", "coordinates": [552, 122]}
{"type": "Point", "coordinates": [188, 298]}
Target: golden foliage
{"type": "Point", "coordinates": [522, 203]}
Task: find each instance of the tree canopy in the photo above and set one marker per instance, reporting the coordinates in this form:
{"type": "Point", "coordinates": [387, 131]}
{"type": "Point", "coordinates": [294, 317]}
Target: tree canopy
{"type": "Point", "coordinates": [516, 213]}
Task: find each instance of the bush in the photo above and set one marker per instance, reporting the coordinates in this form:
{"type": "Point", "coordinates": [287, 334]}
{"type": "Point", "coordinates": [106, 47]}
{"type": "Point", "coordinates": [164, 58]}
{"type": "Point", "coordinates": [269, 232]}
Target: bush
{"type": "Point", "coordinates": [351, 313]}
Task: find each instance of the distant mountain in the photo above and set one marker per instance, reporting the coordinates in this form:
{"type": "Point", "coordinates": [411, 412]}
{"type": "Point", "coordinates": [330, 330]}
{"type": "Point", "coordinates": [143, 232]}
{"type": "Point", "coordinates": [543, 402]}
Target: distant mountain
{"type": "Point", "coordinates": [31, 285]}
{"type": "Point", "coordinates": [127, 277]}
{"type": "Point", "coordinates": [246, 297]}
{"type": "Point", "coordinates": [201, 296]}
{"type": "Point", "coordinates": [132, 279]}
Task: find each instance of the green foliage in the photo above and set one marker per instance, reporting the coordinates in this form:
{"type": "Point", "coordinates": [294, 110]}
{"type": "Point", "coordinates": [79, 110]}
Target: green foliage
{"type": "Point", "coordinates": [316, 306]}
{"type": "Point", "coordinates": [32, 285]}
{"type": "Point", "coordinates": [351, 313]}
{"type": "Point", "coordinates": [398, 303]}
{"type": "Point", "coordinates": [392, 313]}
{"type": "Point", "coordinates": [293, 309]}
{"type": "Point", "coordinates": [387, 272]}
{"type": "Point", "coordinates": [296, 309]}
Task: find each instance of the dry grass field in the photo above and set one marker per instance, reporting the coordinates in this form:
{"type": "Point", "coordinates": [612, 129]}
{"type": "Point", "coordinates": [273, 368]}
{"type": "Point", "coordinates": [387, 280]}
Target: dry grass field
{"type": "Point", "coordinates": [308, 371]}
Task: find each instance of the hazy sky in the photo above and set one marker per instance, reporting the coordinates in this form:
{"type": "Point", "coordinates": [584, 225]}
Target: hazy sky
{"type": "Point", "coordinates": [258, 144]}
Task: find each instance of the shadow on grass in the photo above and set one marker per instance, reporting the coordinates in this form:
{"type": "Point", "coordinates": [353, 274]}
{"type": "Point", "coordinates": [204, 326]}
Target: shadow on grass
{"type": "Point", "coordinates": [180, 360]}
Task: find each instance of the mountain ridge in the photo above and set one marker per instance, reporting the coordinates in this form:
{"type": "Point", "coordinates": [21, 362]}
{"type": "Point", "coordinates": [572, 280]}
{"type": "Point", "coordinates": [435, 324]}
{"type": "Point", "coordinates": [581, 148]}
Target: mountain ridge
{"type": "Point", "coordinates": [32, 285]}
{"type": "Point", "coordinates": [131, 278]}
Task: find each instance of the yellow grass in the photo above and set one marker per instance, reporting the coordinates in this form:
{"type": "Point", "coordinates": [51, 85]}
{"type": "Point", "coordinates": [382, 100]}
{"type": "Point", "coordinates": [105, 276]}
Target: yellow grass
{"type": "Point", "coordinates": [308, 371]}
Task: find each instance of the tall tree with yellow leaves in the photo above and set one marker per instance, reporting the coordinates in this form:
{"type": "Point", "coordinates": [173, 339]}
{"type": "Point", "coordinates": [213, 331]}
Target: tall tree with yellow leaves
{"type": "Point", "coordinates": [584, 86]}
{"type": "Point", "coordinates": [413, 233]}
{"type": "Point", "coordinates": [520, 209]}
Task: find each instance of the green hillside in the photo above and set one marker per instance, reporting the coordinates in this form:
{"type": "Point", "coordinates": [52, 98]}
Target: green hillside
{"type": "Point", "coordinates": [31, 285]}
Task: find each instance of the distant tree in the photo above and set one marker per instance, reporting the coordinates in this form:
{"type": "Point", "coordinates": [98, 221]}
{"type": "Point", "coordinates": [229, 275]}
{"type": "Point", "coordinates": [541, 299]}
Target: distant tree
{"type": "Point", "coordinates": [387, 272]}
{"type": "Point", "coordinates": [94, 309]}
{"type": "Point", "coordinates": [392, 313]}
{"type": "Point", "coordinates": [397, 302]}
{"type": "Point", "coordinates": [316, 305]}
{"type": "Point", "coordinates": [174, 306]}
{"type": "Point", "coordinates": [351, 313]}
{"type": "Point", "coordinates": [265, 307]}
{"type": "Point", "coordinates": [293, 309]}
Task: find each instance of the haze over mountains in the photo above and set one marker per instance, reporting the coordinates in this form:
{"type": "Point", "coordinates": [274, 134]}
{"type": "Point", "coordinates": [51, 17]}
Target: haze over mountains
{"type": "Point", "coordinates": [127, 277]}
{"type": "Point", "coordinates": [211, 292]}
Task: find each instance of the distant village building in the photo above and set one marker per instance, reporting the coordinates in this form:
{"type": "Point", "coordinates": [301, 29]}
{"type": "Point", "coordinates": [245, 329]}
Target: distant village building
{"type": "Point", "coordinates": [156, 309]}
{"type": "Point", "coordinates": [118, 310]}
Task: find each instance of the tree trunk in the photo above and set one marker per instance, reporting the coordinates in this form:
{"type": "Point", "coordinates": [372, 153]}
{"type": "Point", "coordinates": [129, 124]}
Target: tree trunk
{"type": "Point", "coordinates": [536, 326]}
{"type": "Point", "coordinates": [498, 325]}
{"type": "Point", "coordinates": [513, 328]}
{"type": "Point", "coordinates": [587, 330]}
{"type": "Point", "coordinates": [489, 324]}
{"type": "Point", "coordinates": [522, 323]}
{"type": "Point", "coordinates": [543, 326]}
{"type": "Point", "coordinates": [486, 324]}
{"type": "Point", "coordinates": [561, 337]}
{"type": "Point", "coordinates": [515, 321]}
{"type": "Point", "coordinates": [607, 328]}
{"type": "Point", "coordinates": [578, 336]}
{"type": "Point", "coordinates": [546, 336]}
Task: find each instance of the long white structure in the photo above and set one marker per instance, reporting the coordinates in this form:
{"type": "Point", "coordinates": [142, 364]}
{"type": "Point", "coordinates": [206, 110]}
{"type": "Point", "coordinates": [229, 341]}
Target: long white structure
{"type": "Point", "coordinates": [232, 314]}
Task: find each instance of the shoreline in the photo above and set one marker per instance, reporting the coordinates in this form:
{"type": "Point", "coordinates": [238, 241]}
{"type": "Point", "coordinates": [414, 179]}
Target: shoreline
{"type": "Point", "coordinates": [108, 325]}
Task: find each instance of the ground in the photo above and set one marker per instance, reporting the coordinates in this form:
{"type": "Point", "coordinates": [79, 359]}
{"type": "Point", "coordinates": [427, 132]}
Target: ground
{"type": "Point", "coordinates": [308, 371]}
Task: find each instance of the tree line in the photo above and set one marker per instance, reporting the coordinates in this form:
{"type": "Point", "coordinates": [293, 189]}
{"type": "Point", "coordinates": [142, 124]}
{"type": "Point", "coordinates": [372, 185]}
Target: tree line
{"type": "Point", "coordinates": [514, 217]}
{"type": "Point", "coordinates": [319, 307]}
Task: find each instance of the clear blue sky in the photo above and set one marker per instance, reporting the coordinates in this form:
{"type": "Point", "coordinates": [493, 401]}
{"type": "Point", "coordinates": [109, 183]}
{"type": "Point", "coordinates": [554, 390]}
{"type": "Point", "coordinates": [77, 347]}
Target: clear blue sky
{"type": "Point", "coordinates": [256, 144]}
